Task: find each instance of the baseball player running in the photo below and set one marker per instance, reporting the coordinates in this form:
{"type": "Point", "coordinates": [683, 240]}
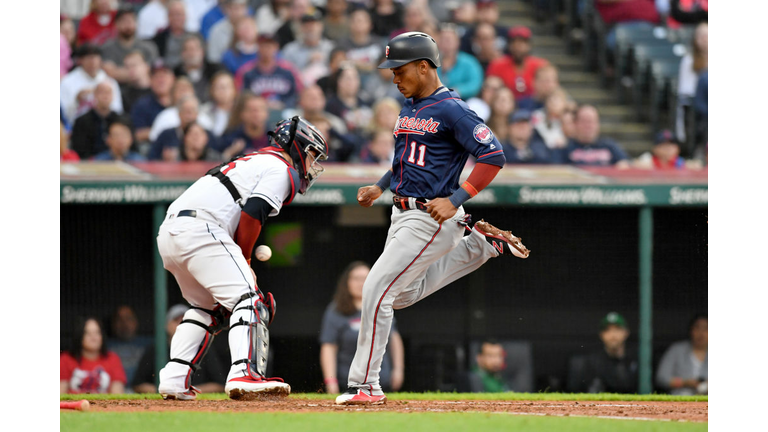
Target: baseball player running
{"type": "Point", "coordinates": [206, 241]}
{"type": "Point", "coordinates": [425, 248]}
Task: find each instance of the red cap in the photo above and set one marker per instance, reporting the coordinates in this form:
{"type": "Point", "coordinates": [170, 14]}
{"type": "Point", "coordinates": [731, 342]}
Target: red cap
{"type": "Point", "coordinates": [519, 32]}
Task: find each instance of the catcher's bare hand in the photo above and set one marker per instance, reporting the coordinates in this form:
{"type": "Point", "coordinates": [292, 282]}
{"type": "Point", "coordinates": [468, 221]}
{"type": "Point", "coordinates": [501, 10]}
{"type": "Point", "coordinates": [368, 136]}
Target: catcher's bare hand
{"type": "Point", "coordinates": [441, 209]}
{"type": "Point", "coordinates": [366, 195]}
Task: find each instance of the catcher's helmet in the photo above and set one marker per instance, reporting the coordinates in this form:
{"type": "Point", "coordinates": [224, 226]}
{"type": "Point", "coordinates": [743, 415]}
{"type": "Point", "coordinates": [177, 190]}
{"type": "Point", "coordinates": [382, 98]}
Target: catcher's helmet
{"type": "Point", "coordinates": [296, 136]}
{"type": "Point", "coordinates": [411, 46]}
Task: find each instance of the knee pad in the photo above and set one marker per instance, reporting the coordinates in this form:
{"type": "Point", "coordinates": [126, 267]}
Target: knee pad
{"type": "Point", "coordinates": [212, 321]}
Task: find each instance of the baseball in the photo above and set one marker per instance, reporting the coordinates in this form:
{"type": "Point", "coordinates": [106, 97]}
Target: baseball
{"type": "Point", "coordinates": [263, 253]}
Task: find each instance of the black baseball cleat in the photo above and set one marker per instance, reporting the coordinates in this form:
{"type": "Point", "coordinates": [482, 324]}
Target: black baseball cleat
{"type": "Point", "coordinates": [503, 241]}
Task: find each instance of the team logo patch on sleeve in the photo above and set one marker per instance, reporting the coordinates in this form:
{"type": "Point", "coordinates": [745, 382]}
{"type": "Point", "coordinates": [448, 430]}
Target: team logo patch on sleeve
{"type": "Point", "coordinates": [483, 134]}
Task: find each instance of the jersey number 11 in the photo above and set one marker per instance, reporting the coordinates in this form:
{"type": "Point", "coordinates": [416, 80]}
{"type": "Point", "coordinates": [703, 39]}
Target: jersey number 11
{"type": "Point", "coordinates": [422, 152]}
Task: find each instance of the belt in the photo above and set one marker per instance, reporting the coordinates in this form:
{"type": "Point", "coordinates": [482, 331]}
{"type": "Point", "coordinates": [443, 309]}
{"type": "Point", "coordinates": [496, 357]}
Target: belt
{"type": "Point", "coordinates": [183, 213]}
{"type": "Point", "coordinates": [409, 203]}
{"type": "Point", "coordinates": [202, 215]}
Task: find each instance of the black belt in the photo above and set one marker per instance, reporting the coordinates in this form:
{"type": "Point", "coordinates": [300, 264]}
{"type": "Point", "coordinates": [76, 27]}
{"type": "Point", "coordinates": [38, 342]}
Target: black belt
{"type": "Point", "coordinates": [187, 213]}
{"type": "Point", "coordinates": [409, 203]}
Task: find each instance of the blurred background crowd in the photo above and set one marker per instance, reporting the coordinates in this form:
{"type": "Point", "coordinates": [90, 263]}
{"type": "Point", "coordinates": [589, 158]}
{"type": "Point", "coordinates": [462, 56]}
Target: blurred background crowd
{"type": "Point", "coordinates": [191, 80]}
{"type": "Point", "coordinates": [614, 83]}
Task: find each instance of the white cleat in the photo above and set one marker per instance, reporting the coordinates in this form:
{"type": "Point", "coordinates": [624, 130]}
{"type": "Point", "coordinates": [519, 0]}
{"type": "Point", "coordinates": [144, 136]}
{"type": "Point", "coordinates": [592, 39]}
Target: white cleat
{"type": "Point", "coordinates": [247, 388]}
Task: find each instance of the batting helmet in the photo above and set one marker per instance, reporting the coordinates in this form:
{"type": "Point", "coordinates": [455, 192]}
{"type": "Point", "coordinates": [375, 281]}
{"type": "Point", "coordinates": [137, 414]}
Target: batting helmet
{"type": "Point", "coordinates": [296, 136]}
{"type": "Point", "coordinates": [411, 46]}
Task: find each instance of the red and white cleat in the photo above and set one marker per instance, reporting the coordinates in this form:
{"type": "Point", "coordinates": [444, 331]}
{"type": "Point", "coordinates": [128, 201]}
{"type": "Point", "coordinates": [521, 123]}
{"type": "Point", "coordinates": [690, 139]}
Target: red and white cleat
{"type": "Point", "coordinates": [357, 396]}
{"type": "Point", "coordinates": [248, 388]}
{"type": "Point", "coordinates": [503, 241]}
{"type": "Point", "coordinates": [183, 395]}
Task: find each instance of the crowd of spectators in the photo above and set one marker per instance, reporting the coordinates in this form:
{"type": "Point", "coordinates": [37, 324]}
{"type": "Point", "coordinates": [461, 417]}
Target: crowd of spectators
{"type": "Point", "coordinates": [206, 79]}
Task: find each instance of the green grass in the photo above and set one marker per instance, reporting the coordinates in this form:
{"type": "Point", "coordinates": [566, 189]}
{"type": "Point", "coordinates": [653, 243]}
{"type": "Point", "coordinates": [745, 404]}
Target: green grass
{"type": "Point", "coordinates": [352, 421]}
{"type": "Point", "coordinates": [443, 396]}
{"type": "Point", "coordinates": [379, 421]}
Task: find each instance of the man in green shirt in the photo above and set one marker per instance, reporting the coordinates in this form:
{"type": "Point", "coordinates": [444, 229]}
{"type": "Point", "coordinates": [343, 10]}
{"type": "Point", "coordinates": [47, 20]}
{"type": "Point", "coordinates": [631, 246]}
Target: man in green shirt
{"type": "Point", "coordinates": [487, 377]}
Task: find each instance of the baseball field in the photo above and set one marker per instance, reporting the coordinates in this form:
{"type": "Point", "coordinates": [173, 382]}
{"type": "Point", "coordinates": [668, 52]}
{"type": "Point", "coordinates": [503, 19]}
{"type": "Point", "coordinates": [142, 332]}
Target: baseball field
{"type": "Point", "coordinates": [412, 411]}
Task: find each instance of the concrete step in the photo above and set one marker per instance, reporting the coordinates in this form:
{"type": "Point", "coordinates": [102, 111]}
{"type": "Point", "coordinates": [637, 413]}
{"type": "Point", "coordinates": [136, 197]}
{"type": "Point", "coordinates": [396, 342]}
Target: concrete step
{"type": "Point", "coordinates": [548, 51]}
{"type": "Point", "coordinates": [617, 121]}
{"type": "Point", "coordinates": [616, 114]}
{"type": "Point", "coordinates": [583, 94]}
{"type": "Point", "coordinates": [624, 128]}
{"type": "Point", "coordinates": [578, 77]}
{"type": "Point", "coordinates": [567, 62]}
{"type": "Point", "coordinates": [508, 7]}
{"type": "Point", "coordinates": [635, 148]}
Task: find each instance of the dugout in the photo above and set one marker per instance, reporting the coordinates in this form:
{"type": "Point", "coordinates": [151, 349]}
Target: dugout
{"type": "Point", "coordinates": [601, 240]}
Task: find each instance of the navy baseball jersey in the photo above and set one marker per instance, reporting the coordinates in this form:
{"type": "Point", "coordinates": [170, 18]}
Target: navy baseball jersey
{"type": "Point", "coordinates": [434, 136]}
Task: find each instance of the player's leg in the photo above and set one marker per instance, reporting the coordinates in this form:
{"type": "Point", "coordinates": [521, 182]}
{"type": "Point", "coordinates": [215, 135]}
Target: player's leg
{"type": "Point", "coordinates": [210, 269]}
{"type": "Point", "coordinates": [195, 334]}
{"type": "Point", "coordinates": [414, 242]}
{"type": "Point", "coordinates": [483, 243]}
{"type": "Point", "coordinates": [226, 275]}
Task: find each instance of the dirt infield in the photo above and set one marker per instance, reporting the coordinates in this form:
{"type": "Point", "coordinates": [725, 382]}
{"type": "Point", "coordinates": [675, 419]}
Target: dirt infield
{"type": "Point", "coordinates": [672, 411]}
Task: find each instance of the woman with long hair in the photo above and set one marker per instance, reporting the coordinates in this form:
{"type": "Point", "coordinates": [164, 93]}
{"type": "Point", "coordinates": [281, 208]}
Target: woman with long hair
{"type": "Point", "coordinates": [223, 94]}
{"type": "Point", "coordinates": [339, 330]}
{"type": "Point", "coordinates": [87, 367]}
{"type": "Point", "coordinates": [502, 105]}
{"type": "Point", "coordinates": [196, 145]}
{"type": "Point", "coordinates": [346, 102]}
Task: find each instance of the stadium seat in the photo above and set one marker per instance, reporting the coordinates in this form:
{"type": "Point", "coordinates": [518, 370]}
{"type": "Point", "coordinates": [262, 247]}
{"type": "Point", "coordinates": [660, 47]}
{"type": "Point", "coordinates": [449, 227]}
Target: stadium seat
{"type": "Point", "coordinates": [643, 55]}
{"type": "Point", "coordinates": [664, 73]}
{"type": "Point", "coordinates": [627, 37]}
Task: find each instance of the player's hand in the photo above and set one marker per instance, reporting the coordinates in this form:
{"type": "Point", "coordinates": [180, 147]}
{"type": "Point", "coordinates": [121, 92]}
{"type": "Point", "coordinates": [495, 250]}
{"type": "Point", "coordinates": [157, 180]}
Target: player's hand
{"type": "Point", "coordinates": [441, 209]}
{"type": "Point", "coordinates": [253, 273]}
{"type": "Point", "coordinates": [366, 195]}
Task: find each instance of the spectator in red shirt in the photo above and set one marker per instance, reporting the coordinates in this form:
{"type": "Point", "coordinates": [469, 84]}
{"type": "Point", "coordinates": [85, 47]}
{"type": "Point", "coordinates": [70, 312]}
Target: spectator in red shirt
{"type": "Point", "coordinates": [67, 154]}
{"type": "Point", "coordinates": [518, 68]}
{"type": "Point", "coordinates": [99, 25]}
{"type": "Point", "coordinates": [87, 367]}
{"type": "Point", "coordinates": [665, 154]}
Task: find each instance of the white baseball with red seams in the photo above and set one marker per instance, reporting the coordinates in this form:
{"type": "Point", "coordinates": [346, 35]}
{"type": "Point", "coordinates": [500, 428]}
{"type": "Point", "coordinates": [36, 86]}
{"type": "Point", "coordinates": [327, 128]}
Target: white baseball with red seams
{"type": "Point", "coordinates": [263, 253]}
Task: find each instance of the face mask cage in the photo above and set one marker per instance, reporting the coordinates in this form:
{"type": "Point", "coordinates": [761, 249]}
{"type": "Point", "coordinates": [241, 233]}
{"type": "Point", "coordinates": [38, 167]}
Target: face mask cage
{"type": "Point", "coordinates": [315, 155]}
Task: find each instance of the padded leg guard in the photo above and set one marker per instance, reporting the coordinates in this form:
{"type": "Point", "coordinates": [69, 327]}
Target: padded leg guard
{"type": "Point", "coordinates": [189, 346]}
{"type": "Point", "coordinates": [249, 335]}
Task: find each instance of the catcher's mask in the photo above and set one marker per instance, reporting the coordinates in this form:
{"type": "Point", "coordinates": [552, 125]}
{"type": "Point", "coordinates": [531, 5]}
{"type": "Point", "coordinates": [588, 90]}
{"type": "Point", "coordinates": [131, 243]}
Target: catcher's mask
{"type": "Point", "coordinates": [301, 140]}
